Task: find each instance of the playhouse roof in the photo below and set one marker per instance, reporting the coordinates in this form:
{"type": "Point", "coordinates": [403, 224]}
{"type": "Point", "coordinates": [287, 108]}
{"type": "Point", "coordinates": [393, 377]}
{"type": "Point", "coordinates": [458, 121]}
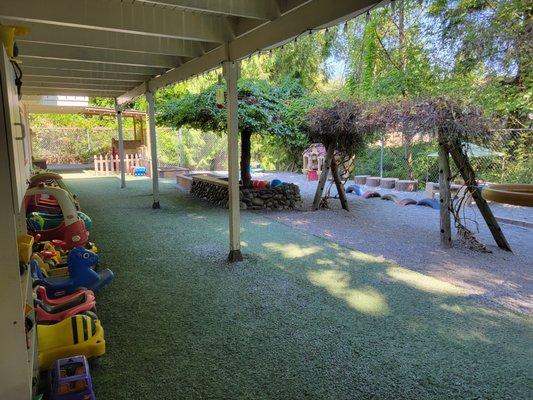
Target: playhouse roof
{"type": "Point", "coordinates": [319, 147]}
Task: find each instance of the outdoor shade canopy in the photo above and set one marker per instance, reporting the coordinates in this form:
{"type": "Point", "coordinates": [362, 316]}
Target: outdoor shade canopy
{"type": "Point", "coordinates": [474, 151]}
{"type": "Point", "coordinates": [123, 49]}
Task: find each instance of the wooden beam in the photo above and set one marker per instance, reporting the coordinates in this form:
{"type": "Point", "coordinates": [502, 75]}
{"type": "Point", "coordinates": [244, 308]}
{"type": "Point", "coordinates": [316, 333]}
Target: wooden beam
{"type": "Point", "coordinates": [231, 73]}
{"type": "Point", "coordinates": [338, 183]}
{"type": "Point", "coordinates": [121, 154]}
{"type": "Point", "coordinates": [153, 150]}
{"type": "Point", "coordinates": [444, 195]}
{"type": "Point", "coordinates": [467, 172]}
{"type": "Point", "coordinates": [323, 176]}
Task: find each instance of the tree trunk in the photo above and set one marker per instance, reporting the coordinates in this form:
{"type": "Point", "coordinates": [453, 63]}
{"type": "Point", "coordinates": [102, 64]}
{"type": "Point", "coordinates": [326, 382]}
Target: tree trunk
{"type": "Point", "coordinates": [402, 46]}
{"type": "Point", "coordinates": [467, 172]}
{"type": "Point", "coordinates": [444, 195]}
{"type": "Point", "coordinates": [324, 176]}
{"type": "Point", "coordinates": [408, 155]}
{"type": "Point", "coordinates": [339, 185]}
{"type": "Point", "coordinates": [246, 145]}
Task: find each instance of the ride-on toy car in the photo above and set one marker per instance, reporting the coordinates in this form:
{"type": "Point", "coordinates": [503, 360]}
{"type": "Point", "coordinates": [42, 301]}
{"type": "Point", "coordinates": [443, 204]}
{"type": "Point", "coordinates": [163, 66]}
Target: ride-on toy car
{"type": "Point", "coordinates": [80, 261]}
{"type": "Point", "coordinates": [40, 291]}
{"type": "Point", "coordinates": [70, 379]}
{"type": "Point", "coordinates": [50, 179]}
{"type": "Point", "coordinates": [77, 335]}
{"type": "Point", "coordinates": [71, 230]}
{"type": "Point", "coordinates": [50, 314]}
{"type": "Point", "coordinates": [50, 221]}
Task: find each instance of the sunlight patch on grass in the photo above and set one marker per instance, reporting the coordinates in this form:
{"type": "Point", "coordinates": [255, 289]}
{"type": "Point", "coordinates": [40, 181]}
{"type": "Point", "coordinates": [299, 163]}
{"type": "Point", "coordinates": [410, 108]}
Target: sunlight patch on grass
{"type": "Point", "coordinates": [291, 250]}
{"type": "Point", "coordinates": [196, 216]}
{"type": "Point", "coordinates": [261, 223]}
{"type": "Point", "coordinates": [324, 261]}
{"type": "Point", "coordinates": [366, 299]}
{"type": "Point", "coordinates": [424, 282]}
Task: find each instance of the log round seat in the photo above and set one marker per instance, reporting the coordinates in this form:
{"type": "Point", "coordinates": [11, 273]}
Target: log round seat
{"type": "Point", "coordinates": [373, 181]}
{"type": "Point", "coordinates": [406, 185]}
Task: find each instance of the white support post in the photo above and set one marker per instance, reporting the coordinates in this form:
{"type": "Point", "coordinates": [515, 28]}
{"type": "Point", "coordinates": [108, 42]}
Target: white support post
{"type": "Point", "coordinates": [121, 147]}
{"type": "Point", "coordinates": [153, 148]}
{"type": "Point", "coordinates": [231, 73]}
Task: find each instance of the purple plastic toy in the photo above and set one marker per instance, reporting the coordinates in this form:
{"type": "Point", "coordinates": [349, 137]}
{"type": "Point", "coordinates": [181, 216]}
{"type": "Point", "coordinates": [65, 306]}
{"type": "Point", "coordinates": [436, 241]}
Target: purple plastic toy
{"type": "Point", "coordinates": [70, 379]}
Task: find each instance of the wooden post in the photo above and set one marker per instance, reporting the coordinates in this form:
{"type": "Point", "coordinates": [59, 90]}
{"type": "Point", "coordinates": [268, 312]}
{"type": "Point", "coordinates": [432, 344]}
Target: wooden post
{"type": "Point", "coordinates": [153, 149]}
{"type": "Point", "coordinates": [444, 195]}
{"type": "Point", "coordinates": [231, 74]}
{"type": "Point", "coordinates": [339, 185]}
{"type": "Point", "coordinates": [323, 176]}
{"type": "Point", "coordinates": [469, 176]}
{"type": "Point", "coordinates": [120, 146]}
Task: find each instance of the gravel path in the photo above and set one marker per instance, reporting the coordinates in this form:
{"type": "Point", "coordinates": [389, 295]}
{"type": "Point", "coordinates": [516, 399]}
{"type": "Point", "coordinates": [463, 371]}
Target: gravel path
{"type": "Point", "coordinates": [409, 236]}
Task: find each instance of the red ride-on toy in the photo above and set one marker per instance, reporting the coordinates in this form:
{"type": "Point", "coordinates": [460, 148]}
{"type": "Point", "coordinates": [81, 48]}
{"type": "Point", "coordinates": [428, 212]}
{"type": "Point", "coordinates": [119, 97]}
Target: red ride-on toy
{"type": "Point", "coordinates": [63, 307]}
{"type": "Point", "coordinates": [42, 296]}
{"type": "Point", "coordinates": [47, 314]}
{"type": "Point", "coordinates": [71, 230]}
{"type": "Point", "coordinates": [49, 204]}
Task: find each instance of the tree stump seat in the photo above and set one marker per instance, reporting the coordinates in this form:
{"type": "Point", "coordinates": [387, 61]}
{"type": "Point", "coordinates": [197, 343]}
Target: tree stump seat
{"type": "Point", "coordinates": [406, 185]}
{"type": "Point", "coordinates": [373, 181]}
{"type": "Point", "coordinates": [360, 179]}
{"type": "Point", "coordinates": [388, 183]}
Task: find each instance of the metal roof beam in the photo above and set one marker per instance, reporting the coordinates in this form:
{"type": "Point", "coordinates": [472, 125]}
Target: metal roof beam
{"type": "Point", "coordinates": [30, 80]}
{"type": "Point", "coordinates": [125, 17]}
{"type": "Point", "coordinates": [309, 15]}
{"type": "Point", "coordinates": [59, 73]}
{"type": "Point", "coordinates": [88, 66]}
{"type": "Point", "coordinates": [60, 52]}
{"type": "Point", "coordinates": [254, 9]}
{"type": "Point", "coordinates": [68, 86]}
{"type": "Point", "coordinates": [67, 35]}
{"type": "Point", "coordinates": [42, 91]}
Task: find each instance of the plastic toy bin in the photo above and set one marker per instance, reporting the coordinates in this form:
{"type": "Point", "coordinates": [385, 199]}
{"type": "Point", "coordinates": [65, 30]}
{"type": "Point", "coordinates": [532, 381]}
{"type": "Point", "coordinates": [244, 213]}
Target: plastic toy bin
{"type": "Point", "coordinates": [25, 244]}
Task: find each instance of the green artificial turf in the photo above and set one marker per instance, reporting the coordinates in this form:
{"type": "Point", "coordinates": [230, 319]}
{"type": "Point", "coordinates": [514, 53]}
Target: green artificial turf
{"type": "Point", "coordinates": [301, 318]}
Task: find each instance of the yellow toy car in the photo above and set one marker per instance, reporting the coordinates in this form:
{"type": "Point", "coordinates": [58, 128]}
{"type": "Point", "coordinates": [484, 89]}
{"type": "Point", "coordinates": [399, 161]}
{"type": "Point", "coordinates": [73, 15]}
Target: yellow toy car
{"type": "Point", "coordinates": [77, 335]}
{"type": "Point", "coordinates": [47, 269]}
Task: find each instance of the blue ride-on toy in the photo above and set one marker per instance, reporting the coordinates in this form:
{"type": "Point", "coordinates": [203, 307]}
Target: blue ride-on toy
{"type": "Point", "coordinates": [80, 262]}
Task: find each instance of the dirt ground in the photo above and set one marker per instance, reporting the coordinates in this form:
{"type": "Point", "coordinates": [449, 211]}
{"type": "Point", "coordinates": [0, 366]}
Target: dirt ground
{"type": "Point", "coordinates": [409, 236]}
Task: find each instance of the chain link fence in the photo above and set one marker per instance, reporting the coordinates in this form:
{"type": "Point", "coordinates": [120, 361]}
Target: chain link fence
{"type": "Point", "coordinates": [507, 156]}
{"type": "Point", "coordinates": [188, 148]}
{"type": "Point", "coordinates": [192, 149]}
{"type": "Point", "coordinates": [71, 145]}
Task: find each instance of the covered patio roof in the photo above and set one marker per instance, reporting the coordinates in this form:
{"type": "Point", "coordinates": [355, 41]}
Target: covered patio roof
{"type": "Point", "coordinates": [72, 105]}
{"type": "Point", "coordinates": [121, 49]}
{"type": "Point", "coordinates": [126, 49]}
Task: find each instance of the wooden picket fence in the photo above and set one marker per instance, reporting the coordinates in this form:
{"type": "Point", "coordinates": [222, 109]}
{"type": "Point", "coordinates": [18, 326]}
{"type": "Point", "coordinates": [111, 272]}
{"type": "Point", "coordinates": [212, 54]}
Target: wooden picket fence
{"type": "Point", "coordinates": [107, 164]}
